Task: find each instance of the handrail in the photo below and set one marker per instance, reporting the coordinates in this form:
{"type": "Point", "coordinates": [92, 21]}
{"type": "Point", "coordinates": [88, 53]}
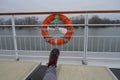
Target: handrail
{"type": "Point", "coordinates": [62, 25]}
{"type": "Point", "coordinates": [61, 12]}
{"type": "Point", "coordinates": [19, 43]}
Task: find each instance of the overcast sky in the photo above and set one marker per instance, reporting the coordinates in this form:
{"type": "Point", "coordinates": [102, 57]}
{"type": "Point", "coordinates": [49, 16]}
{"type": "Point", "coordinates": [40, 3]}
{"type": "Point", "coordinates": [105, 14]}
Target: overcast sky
{"type": "Point", "coordinates": [57, 5]}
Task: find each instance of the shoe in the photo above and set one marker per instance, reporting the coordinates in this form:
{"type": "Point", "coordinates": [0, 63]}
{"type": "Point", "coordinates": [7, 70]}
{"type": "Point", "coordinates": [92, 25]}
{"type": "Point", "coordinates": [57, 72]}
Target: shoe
{"type": "Point", "coordinates": [53, 57]}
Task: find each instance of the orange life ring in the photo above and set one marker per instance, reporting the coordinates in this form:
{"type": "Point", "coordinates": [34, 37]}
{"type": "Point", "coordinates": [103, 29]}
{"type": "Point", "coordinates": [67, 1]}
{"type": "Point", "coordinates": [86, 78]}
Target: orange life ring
{"type": "Point", "coordinates": [61, 40]}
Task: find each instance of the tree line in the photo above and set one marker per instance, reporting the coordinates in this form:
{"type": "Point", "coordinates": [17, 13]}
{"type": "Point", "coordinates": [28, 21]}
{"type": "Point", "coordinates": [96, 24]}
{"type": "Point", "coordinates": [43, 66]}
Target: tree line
{"type": "Point", "coordinates": [32, 20]}
{"type": "Point", "coordinates": [94, 20]}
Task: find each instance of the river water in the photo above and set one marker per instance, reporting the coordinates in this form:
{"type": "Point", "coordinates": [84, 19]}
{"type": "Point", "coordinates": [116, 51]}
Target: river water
{"type": "Point", "coordinates": [102, 39]}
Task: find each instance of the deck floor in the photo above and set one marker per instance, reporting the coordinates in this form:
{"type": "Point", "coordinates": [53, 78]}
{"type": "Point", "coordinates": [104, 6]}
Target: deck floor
{"type": "Point", "coordinates": [10, 70]}
{"type": "Point", "coordinates": [76, 72]}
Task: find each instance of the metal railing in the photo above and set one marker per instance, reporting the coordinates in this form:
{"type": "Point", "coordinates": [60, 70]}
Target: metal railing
{"type": "Point", "coordinates": [86, 47]}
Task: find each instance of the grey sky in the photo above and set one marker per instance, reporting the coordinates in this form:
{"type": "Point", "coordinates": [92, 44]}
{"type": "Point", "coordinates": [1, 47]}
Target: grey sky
{"type": "Point", "coordinates": [57, 5]}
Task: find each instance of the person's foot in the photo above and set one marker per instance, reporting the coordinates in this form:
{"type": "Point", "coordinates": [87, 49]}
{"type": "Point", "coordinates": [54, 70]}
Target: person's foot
{"type": "Point", "coordinates": [53, 57]}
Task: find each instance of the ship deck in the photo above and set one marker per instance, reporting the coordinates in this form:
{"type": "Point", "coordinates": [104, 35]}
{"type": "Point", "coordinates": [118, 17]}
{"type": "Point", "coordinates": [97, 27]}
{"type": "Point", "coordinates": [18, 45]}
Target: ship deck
{"type": "Point", "coordinates": [24, 70]}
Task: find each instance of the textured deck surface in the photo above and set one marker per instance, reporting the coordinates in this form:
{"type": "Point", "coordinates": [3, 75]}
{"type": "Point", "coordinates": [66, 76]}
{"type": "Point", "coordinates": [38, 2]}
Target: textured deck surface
{"type": "Point", "coordinates": [15, 70]}
{"type": "Point", "coordinates": [19, 70]}
{"type": "Point", "coordinates": [75, 72]}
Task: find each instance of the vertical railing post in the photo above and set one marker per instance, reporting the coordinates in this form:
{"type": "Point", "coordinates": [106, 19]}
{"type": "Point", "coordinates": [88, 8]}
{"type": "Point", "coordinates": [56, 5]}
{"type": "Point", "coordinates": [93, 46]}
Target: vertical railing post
{"type": "Point", "coordinates": [14, 37]}
{"type": "Point", "coordinates": [84, 61]}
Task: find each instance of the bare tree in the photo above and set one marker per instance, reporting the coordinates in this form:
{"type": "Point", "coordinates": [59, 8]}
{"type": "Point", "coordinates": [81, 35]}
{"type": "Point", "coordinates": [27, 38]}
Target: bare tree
{"type": "Point", "coordinates": [26, 21]}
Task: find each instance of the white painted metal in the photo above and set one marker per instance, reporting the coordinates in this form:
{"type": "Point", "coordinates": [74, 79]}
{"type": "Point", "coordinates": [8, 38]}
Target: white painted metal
{"type": "Point", "coordinates": [1, 44]}
{"type": "Point", "coordinates": [14, 36]}
{"type": "Point", "coordinates": [85, 40]}
{"type": "Point", "coordinates": [75, 25]}
{"type": "Point", "coordinates": [84, 53]}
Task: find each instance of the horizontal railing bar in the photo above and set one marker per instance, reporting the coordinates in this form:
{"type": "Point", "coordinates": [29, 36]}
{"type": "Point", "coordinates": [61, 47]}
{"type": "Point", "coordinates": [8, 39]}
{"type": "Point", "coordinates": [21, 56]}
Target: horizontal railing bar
{"type": "Point", "coordinates": [40, 56]}
{"type": "Point", "coordinates": [62, 51]}
{"type": "Point", "coordinates": [7, 55]}
{"type": "Point", "coordinates": [5, 25]}
{"type": "Point", "coordinates": [103, 58]}
{"type": "Point", "coordinates": [103, 25]}
{"type": "Point", "coordinates": [109, 53]}
{"type": "Point", "coordinates": [60, 12]}
{"type": "Point", "coordinates": [55, 36]}
{"type": "Point", "coordinates": [48, 56]}
{"type": "Point", "coordinates": [33, 56]}
{"type": "Point", "coordinates": [101, 36]}
{"type": "Point", "coordinates": [63, 57]}
{"type": "Point", "coordinates": [67, 51]}
{"type": "Point", "coordinates": [62, 25]}
{"type": "Point", "coordinates": [7, 50]}
{"type": "Point", "coordinates": [116, 53]}
{"type": "Point", "coordinates": [6, 35]}
{"type": "Point", "coordinates": [34, 36]}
